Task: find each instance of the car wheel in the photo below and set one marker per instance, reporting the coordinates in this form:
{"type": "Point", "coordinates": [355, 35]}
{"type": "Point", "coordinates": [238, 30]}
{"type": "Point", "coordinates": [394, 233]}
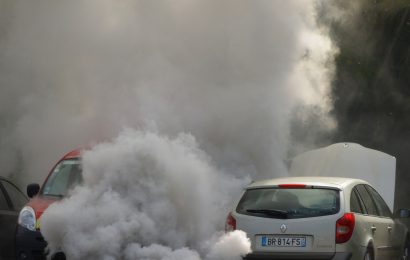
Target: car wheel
{"type": "Point", "coordinates": [58, 256]}
{"type": "Point", "coordinates": [368, 255]}
{"type": "Point", "coordinates": [405, 254]}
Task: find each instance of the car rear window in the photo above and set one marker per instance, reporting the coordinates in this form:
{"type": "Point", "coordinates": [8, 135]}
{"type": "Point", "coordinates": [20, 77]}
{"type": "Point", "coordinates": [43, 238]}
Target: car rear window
{"type": "Point", "coordinates": [289, 203]}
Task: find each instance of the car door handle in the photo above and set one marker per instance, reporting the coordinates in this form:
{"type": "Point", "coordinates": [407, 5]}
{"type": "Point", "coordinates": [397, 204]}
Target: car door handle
{"type": "Point", "coordinates": [373, 228]}
{"type": "Point", "coordinates": [389, 228]}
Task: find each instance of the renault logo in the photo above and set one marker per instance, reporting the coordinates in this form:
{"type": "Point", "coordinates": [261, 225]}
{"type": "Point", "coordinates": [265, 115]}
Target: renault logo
{"type": "Point", "coordinates": [283, 228]}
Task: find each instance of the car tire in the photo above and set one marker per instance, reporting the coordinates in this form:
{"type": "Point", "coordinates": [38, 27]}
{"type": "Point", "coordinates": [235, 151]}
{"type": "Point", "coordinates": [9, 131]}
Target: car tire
{"type": "Point", "coordinates": [58, 256]}
{"type": "Point", "coordinates": [368, 255]}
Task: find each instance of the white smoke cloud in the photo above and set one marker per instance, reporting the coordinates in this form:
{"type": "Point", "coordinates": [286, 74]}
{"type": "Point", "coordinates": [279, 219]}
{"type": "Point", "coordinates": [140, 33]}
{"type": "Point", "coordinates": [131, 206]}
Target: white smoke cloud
{"type": "Point", "coordinates": [228, 73]}
{"type": "Point", "coordinates": [143, 191]}
{"type": "Point", "coordinates": [230, 246]}
{"type": "Point", "coordinates": [158, 252]}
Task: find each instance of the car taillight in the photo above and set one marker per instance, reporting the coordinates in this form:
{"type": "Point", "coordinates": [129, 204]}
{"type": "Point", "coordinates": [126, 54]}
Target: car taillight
{"type": "Point", "coordinates": [230, 224]}
{"type": "Point", "coordinates": [344, 228]}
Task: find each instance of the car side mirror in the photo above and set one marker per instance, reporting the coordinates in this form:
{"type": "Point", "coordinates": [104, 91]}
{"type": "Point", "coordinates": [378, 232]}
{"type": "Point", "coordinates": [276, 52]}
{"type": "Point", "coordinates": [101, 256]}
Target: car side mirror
{"type": "Point", "coordinates": [32, 190]}
{"type": "Point", "coordinates": [403, 213]}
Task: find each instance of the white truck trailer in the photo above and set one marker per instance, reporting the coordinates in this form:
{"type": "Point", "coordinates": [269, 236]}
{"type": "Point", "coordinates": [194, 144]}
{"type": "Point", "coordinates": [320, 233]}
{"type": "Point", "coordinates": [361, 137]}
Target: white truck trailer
{"type": "Point", "coordinates": [350, 160]}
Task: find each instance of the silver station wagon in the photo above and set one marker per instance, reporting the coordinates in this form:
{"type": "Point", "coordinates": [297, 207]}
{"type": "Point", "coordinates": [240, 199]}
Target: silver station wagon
{"type": "Point", "coordinates": [318, 218]}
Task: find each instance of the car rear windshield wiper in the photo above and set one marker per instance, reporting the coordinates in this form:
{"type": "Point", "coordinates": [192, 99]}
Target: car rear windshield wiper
{"type": "Point", "coordinates": [270, 212]}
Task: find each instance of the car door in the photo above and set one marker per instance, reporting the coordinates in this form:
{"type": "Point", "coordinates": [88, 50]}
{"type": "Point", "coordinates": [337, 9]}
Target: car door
{"type": "Point", "coordinates": [362, 224]}
{"type": "Point", "coordinates": [15, 200]}
{"type": "Point", "coordinates": [8, 220]}
{"type": "Point", "coordinates": [392, 245]}
{"type": "Point", "coordinates": [379, 225]}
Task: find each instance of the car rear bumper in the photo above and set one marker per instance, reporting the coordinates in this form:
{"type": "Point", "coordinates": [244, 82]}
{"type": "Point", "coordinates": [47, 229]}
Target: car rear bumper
{"type": "Point", "coordinates": [30, 245]}
{"type": "Point", "coordinates": [295, 256]}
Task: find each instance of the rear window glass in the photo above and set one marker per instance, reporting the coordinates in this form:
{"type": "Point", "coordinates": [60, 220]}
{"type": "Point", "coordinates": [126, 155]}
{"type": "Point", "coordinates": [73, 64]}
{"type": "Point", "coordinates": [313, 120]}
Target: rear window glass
{"type": "Point", "coordinates": [355, 205]}
{"type": "Point", "coordinates": [367, 200]}
{"type": "Point", "coordinates": [381, 205]}
{"type": "Point", "coordinates": [289, 203]}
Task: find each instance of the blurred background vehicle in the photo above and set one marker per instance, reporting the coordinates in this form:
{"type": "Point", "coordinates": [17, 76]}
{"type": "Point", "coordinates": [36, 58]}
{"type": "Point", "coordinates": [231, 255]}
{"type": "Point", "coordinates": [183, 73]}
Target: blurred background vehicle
{"type": "Point", "coordinates": [11, 202]}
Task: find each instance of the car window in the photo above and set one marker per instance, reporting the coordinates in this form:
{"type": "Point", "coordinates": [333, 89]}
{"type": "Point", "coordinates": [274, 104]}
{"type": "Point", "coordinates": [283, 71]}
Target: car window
{"type": "Point", "coordinates": [64, 177]}
{"type": "Point", "coordinates": [355, 203]}
{"type": "Point", "coordinates": [16, 196]}
{"type": "Point", "coordinates": [381, 205]}
{"type": "Point", "coordinates": [367, 200]}
{"type": "Point", "coordinates": [289, 203]}
{"type": "Point", "coordinates": [3, 202]}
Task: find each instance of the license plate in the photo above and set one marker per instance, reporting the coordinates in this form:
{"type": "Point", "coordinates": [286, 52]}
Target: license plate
{"type": "Point", "coordinates": [276, 241]}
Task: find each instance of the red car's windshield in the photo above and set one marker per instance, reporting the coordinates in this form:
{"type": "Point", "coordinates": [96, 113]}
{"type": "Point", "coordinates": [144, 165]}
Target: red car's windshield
{"type": "Point", "coordinates": [65, 175]}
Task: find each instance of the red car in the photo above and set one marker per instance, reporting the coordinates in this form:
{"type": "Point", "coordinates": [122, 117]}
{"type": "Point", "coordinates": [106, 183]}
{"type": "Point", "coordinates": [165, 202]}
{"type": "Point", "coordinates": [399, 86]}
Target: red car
{"type": "Point", "coordinates": [30, 244]}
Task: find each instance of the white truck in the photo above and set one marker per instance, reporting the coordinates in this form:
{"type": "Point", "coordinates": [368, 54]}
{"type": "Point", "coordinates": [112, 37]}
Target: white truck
{"type": "Point", "coordinates": [350, 160]}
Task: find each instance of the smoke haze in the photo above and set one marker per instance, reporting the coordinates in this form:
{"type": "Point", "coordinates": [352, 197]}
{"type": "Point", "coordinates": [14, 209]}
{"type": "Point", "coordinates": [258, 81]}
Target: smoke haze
{"type": "Point", "coordinates": [209, 86]}
{"type": "Point", "coordinates": [76, 72]}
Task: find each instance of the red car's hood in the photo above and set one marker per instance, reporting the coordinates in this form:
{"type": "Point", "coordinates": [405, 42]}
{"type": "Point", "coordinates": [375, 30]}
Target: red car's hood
{"type": "Point", "coordinates": [40, 204]}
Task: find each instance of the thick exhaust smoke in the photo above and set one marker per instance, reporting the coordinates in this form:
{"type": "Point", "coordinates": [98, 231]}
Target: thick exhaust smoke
{"type": "Point", "coordinates": [210, 86]}
{"type": "Point", "coordinates": [143, 191]}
